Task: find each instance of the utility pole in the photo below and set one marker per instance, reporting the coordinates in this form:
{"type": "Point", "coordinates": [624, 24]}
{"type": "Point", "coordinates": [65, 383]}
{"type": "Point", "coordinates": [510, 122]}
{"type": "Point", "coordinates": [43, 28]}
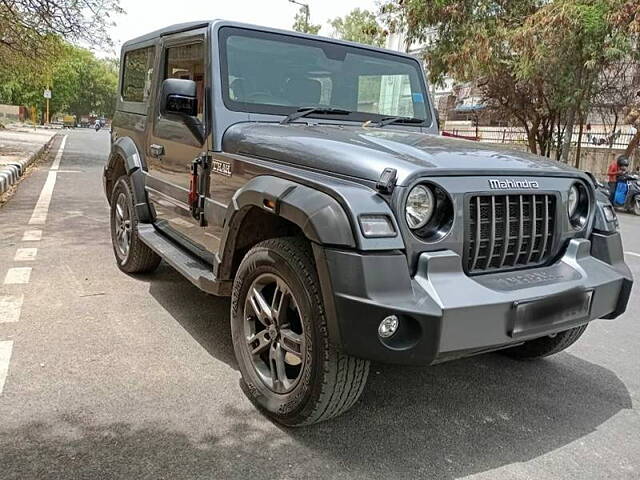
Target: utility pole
{"type": "Point", "coordinates": [307, 14]}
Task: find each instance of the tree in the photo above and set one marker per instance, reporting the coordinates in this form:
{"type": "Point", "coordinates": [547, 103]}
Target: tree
{"type": "Point", "coordinates": [359, 26]}
{"type": "Point", "coordinates": [302, 23]}
{"type": "Point", "coordinates": [25, 23]}
{"type": "Point", "coordinates": [535, 61]}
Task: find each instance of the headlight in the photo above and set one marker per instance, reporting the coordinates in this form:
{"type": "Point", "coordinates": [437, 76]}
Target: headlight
{"type": "Point", "coordinates": [572, 202]}
{"type": "Point", "coordinates": [578, 206]}
{"type": "Point", "coordinates": [420, 206]}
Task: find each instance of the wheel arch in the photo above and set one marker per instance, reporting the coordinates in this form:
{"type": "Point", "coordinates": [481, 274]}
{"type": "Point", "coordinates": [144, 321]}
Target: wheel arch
{"type": "Point", "coordinates": [125, 159]}
{"type": "Point", "coordinates": [268, 207]}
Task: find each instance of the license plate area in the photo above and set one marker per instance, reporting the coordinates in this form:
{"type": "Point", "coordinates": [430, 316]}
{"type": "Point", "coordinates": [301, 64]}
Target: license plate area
{"type": "Point", "coordinates": [542, 314]}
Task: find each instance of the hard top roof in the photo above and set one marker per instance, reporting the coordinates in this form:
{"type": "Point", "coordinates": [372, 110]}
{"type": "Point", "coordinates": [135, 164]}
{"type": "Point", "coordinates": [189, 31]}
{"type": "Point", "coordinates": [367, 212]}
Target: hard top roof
{"type": "Point", "coordinates": [183, 27]}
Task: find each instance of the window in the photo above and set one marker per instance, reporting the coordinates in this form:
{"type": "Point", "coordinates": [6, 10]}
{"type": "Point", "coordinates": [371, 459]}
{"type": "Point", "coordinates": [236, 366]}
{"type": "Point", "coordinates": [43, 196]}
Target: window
{"type": "Point", "coordinates": [272, 73]}
{"type": "Point", "coordinates": [138, 72]}
{"type": "Point", "coordinates": [187, 62]}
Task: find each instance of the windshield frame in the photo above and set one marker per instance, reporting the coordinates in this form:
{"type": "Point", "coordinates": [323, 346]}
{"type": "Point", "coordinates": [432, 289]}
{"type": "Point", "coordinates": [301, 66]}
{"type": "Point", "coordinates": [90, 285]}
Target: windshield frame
{"type": "Point", "coordinates": [227, 31]}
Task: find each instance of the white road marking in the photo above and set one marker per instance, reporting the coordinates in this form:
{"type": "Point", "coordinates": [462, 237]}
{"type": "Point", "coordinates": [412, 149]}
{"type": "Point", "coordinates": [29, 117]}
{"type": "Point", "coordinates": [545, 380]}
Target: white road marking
{"type": "Point", "coordinates": [633, 254]}
{"type": "Point", "coordinates": [32, 236]}
{"type": "Point", "coordinates": [17, 276]}
{"type": "Point", "coordinates": [10, 307]}
{"type": "Point", "coordinates": [39, 216]}
{"type": "Point", "coordinates": [25, 254]}
{"type": "Point", "coordinates": [5, 356]}
{"type": "Point", "coordinates": [56, 163]}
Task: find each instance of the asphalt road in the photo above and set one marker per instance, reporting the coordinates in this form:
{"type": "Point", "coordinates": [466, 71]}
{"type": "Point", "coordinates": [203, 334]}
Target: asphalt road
{"type": "Point", "coordinates": [127, 377]}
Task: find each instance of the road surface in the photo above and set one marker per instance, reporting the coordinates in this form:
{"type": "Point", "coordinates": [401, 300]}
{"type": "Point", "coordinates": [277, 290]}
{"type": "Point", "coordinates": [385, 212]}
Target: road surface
{"type": "Point", "coordinates": [109, 376]}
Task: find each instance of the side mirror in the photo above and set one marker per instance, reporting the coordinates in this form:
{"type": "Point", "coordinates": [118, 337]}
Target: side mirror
{"type": "Point", "coordinates": [179, 98]}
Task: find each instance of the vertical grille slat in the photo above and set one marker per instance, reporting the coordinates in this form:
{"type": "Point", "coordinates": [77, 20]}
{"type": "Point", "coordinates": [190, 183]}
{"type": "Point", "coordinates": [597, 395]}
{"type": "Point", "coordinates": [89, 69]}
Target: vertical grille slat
{"type": "Point", "coordinates": [509, 231]}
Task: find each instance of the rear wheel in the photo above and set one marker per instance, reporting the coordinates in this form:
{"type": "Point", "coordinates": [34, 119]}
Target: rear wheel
{"type": "Point", "coordinates": [636, 205]}
{"type": "Point", "coordinates": [132, 255]}
{"type": "Point", "coordinates": [545, 346]}
{"type": "Point", "coordinates": [289, 368]}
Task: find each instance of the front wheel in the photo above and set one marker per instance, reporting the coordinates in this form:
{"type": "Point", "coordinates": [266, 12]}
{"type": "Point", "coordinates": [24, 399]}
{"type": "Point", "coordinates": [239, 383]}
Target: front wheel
{"type": "Point", "coordinates": [545, 346]}
{"type": "Point", "coordinates": [636, 205]}
{"type": "Point", "coordinates": [289, 368]}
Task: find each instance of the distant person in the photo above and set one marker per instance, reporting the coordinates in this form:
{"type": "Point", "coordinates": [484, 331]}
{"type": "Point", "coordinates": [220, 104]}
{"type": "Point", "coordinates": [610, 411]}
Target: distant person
{"type": "Point", "coordinates": [612, 173]}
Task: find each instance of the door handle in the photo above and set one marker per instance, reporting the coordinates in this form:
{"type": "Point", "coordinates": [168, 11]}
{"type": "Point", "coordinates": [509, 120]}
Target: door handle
{"type": "Point", "coordinates": [156, 150]}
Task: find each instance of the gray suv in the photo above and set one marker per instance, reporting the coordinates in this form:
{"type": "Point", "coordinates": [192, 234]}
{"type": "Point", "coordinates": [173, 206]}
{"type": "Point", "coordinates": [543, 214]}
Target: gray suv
{"type": "Point", "coordinates": [305, 178]}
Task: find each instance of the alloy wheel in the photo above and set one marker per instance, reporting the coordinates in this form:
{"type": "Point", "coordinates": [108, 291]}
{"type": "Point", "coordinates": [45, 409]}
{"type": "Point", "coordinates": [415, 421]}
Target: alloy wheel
{"type": "Point", "coordinates": [274, 333]}
{"type": "Point", "coordinates": [122, 225]}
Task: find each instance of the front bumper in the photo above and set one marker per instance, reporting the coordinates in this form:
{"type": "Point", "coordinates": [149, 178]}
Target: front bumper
{"type": "Point", "coordinates": [444, 314]}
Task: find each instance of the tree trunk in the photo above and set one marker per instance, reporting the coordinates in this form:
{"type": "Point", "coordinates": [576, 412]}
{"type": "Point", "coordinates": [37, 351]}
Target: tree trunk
{"type": "Point", "coordinates": [579, 147]}
{"type": "Point", "coordinates": [633, 144]}
{"type": "Point", "coordinates": [568, 134]}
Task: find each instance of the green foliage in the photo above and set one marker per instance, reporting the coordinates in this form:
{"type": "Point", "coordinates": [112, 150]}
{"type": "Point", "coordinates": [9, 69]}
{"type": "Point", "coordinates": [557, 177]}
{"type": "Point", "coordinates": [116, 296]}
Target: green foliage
{"type": "Point", "coordinates": [302, 23]}
{"type": "Point", "coordinates": [81, 84]}
{"type": "Point", "coordinates": [359, 26]}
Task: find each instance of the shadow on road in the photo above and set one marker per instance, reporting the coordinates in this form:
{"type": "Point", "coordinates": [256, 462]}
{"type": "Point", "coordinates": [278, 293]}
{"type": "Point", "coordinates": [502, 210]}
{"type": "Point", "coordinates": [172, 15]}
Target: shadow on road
{"type": "Point", "coordinates": [446, 421]}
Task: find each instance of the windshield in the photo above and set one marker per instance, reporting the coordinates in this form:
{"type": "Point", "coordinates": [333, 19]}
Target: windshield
{"type": "Point", "coordinates": [278, 74]}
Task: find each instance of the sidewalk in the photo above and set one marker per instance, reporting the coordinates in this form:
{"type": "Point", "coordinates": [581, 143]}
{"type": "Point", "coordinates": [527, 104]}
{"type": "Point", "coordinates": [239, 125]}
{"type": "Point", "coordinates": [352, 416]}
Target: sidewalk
{"type": "Point", "coordinates": [19, 147]}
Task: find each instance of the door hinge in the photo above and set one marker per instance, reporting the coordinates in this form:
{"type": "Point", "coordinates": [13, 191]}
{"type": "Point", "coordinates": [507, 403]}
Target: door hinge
{"type": "Point", "coordinates": [198, 187]}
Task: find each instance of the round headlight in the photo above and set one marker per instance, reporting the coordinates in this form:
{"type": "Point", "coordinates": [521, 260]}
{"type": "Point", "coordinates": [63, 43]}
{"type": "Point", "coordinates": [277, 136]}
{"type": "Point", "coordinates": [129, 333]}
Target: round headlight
{"type": "Point", "coordinates": [420, 207]}
{"type": "Point", "coordinates": [572, 202]}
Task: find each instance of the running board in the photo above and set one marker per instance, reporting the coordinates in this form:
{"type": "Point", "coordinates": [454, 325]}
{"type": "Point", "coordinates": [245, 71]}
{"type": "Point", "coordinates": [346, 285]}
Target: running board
{"type": "Point", "coordinates": [188, 265]}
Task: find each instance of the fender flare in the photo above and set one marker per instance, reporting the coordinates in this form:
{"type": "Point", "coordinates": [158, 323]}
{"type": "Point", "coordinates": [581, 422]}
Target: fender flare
{"type": "Point", "coordinates": [126, 149]}
{"type": "Point", "coordinates": [320, 217]}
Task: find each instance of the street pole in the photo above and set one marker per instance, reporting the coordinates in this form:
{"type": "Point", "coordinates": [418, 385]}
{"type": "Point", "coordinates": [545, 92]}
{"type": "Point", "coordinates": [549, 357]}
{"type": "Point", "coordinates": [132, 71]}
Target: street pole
{"type": "Point", "coordinates": [46, 120]}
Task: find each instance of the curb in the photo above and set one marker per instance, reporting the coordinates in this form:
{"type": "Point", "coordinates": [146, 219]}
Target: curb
{"type": "Point", "coordinates": [9, 174]}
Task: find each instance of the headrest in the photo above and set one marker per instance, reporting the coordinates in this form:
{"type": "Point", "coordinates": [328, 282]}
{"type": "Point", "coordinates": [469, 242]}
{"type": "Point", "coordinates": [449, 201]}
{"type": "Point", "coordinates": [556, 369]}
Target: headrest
{"type": "Point", "coordinates": [303, 91]}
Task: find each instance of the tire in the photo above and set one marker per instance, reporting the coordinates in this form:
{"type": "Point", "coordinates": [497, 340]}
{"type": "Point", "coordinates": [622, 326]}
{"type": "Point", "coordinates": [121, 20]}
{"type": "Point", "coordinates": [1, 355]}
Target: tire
{"type": "Point", "coordinates": [136, 257]}
{"type": "Point", "coordinates": [545, 346]}
{"type": "Point", "coordinates": [327, 382]}
{"type": "Point", "coordinates": [636, 205]}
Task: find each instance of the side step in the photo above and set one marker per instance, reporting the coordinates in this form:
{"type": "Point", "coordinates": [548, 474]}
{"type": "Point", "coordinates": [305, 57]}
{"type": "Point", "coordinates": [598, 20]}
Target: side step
{"type": "Point", "coordinates": [191, 267]}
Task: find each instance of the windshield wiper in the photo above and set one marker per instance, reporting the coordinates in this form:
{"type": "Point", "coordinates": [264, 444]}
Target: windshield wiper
{"type": "Point", "coordinates": [304, 111]}
{"type": "Point", "coordinates": [390, 120]}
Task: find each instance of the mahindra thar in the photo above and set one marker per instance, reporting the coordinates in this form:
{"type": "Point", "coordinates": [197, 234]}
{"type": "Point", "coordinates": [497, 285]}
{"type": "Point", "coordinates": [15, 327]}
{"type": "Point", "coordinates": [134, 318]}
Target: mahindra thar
{"type": "Point", "coordinates": [304, 177]}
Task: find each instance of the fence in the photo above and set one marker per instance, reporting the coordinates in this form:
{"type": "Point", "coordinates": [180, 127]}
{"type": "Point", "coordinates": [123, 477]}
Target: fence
{"type": "Point", "coordinates": [594, 138]}
{"type": "Point", "coordinates": [595, 154]}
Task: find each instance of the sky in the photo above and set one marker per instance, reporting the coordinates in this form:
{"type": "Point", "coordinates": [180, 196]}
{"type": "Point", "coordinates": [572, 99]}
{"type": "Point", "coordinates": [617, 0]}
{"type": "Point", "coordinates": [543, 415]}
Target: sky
{"type": "Point", "coordinates": [143, 16]}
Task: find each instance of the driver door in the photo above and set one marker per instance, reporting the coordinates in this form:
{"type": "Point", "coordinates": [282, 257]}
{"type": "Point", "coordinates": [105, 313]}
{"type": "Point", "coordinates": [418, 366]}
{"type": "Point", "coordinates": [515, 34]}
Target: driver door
{"type": "Point", "coordinates": [171, 147]}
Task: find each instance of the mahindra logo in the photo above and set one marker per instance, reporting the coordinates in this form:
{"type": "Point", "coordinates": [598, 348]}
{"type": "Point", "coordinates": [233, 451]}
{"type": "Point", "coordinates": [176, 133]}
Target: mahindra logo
{"type": "Point", "coordinates": [496, 184]}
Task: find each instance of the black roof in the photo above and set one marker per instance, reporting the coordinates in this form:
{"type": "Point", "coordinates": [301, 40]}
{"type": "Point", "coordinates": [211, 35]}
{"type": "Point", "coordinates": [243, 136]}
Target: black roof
{"type": "Point", "coordinates": [178, 27]}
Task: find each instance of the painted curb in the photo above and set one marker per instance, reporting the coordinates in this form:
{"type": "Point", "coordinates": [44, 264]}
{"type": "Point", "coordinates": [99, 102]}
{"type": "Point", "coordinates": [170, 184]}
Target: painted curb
{"type": "Point", "coordinates": [9, 174]}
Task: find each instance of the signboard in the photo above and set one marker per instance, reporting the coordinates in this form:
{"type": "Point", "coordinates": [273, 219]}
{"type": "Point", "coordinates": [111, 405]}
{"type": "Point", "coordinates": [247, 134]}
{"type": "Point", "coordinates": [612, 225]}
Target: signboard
{"type": "Point", "coordinates": [47, 93]}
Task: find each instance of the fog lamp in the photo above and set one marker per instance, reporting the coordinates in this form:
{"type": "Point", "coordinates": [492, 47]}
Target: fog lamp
{"type": "Point", "coordinates": [388, 326]}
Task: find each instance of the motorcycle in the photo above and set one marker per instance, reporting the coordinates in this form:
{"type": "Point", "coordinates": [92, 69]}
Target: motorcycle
{"type": "Point", "coordinates": [627, 194]}
{"type": "Point", "coordinates": [98, 126]}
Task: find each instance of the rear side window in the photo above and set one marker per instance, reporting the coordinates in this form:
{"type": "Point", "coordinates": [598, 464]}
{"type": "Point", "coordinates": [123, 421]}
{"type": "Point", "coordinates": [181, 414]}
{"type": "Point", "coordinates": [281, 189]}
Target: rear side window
{"type": "Point", "coordinates": [138, 73]}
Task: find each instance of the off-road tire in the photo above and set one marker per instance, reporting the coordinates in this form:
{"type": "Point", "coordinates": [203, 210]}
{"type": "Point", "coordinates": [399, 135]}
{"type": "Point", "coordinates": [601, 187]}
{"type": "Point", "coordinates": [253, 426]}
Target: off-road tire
{"type": "Point", "coordinates": [545, 346]}
{"type": "Point", "coordinates": [331, 381]}
{"type": "Point", "coordinates": [140, 258]}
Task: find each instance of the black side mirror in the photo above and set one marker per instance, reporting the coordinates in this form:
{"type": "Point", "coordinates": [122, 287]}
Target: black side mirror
{"type": "Point", "coordinates": [179, 98]}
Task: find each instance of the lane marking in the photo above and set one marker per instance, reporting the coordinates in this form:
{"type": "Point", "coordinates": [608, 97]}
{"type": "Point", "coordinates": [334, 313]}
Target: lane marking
{"type": "Point", "coordinates": [633, 254]}
{"type": "Point", "coordinates": [5, 356]}
{"type": "Point", "coordinates": [17, 276]}
{"type": "Point", "coordinates": [56, 163]}
{"type": "Point", "coordinates": [39, 216]}
{"type": "Point", "coordinates": [10, 307]}
{"type": "Point", "coordinates": [32, 236]}
{"type": "Point", "coordinates": [25, 254]}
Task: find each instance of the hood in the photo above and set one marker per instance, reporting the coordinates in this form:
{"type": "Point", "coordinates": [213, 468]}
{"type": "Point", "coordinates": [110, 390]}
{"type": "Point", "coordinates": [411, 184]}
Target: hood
{"type": "Point", "coordinates": [365, 152]}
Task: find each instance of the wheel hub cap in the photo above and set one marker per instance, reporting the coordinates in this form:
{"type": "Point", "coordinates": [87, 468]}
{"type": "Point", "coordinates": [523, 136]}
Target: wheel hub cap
{"type": "Point", "coordinates": [274, 333]}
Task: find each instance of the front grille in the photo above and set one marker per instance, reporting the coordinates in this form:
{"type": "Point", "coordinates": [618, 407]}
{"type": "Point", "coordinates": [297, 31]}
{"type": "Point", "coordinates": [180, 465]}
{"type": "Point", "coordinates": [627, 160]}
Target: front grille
{"type": "Point", "coordinates": [509, 231]}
